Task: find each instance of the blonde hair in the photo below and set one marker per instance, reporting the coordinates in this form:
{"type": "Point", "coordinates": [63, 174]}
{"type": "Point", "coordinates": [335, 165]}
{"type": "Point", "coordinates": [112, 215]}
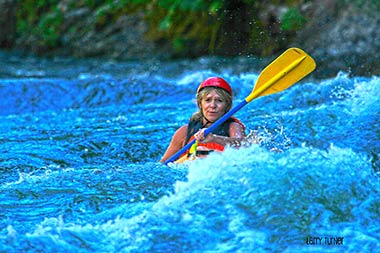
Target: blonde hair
{"type": "Point", "coordinates": [204, 92]}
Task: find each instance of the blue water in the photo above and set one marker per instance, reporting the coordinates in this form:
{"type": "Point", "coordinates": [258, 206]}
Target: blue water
{"type": "Point", "coordinates": [80, 141]}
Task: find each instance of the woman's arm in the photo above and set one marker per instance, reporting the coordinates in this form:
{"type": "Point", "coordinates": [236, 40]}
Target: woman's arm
{"type": "Point", "coordinates": [176, 143]}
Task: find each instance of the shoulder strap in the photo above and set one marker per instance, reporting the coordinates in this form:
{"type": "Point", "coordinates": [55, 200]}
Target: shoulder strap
{"type": "Point", "coordinates": [195, 125]}
{"type": "Point", "coordinates": [192, 127]}
{"type": "Point", "coordinates": [239, 122]}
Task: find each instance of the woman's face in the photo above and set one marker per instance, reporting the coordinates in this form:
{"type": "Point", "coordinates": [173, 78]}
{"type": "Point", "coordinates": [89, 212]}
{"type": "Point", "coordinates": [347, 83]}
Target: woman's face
{"type": "Point", "coordinates": [213, 106]}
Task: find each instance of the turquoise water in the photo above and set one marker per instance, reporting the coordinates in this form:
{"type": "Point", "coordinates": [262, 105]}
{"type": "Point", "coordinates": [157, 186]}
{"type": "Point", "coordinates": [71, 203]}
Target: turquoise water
{"type": "Point", "coordinates": [80, 141]}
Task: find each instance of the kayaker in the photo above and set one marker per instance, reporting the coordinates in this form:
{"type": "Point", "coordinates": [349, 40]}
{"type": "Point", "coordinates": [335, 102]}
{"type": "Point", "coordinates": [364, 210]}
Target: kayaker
{"type": "Point", "coordinates": [214, 99]}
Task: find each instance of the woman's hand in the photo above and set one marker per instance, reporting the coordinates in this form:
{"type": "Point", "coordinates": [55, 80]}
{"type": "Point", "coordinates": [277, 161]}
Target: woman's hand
{"type": "Point", "coordinates": [223, 140]}
{"type": "Point", "coordinates": [200, 135]}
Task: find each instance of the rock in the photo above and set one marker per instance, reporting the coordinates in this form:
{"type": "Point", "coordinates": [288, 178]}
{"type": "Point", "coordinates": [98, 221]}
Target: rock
{"type": "Point", "coordinates": [121, 39]}
{"type": "Point", "coordinates": [342, 39]}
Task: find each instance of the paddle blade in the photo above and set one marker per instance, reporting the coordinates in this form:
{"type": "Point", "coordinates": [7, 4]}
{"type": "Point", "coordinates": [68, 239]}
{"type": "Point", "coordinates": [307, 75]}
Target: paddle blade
{"type": "Point", "coordinates": [290, 67]}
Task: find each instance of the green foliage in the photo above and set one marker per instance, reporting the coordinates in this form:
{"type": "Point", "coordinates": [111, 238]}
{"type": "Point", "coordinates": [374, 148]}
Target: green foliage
{"type": "Point", "coordinates": [175, 8]}
{"type": "Point", "coordinates": [92, 4]}
{"type": "Point", "coordinates": [112, 10]}
{"type": "Point", "coordinates": [186, 22]}
{"type": "Point", "coordinates": [49, 26]}
{"type": "Point", "coordinates": [292, 20]}
{"type": "Point", "coordinates": [213, 26]}
{"type": "Point", "coordinates": [40, 19]}
{"type": "Point", "coordinates": [210, 26]}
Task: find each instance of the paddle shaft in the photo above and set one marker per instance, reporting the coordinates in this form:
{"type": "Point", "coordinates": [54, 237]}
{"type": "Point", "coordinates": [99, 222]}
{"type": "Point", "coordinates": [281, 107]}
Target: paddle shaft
{"type": "Point", "coordinates": [207, 131]}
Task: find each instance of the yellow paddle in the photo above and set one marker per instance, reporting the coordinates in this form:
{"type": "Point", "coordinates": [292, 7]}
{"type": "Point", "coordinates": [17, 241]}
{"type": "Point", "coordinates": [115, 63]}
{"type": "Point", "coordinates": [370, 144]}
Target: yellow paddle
{"type": "Point", "coordinates": [287, 69]}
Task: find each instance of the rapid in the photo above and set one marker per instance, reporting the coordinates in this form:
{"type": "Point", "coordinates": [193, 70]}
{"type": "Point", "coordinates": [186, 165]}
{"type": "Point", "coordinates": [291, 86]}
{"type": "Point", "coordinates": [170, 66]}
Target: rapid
{"type": "Point", "coordinates": [80, 142]}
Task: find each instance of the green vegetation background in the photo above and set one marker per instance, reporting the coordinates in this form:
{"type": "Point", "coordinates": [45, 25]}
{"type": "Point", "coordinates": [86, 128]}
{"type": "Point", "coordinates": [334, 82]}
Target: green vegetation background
{"type": "Point", "coordinates": [205, 26]}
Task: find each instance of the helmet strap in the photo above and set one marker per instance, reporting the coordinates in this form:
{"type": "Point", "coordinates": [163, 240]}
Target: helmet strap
{"type": "Point", "coordinates": [207, 121]}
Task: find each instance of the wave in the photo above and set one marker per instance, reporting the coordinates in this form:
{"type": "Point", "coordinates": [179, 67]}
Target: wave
{"type": "Point", "coordinates": [241, 201]}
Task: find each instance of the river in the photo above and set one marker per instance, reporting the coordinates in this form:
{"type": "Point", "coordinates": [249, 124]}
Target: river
{"type": "Point", "coordinates": [80, 142]}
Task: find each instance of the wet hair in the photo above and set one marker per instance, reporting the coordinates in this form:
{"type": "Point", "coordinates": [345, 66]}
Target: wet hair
{"type": "Point", "coordinates": [204, 92]}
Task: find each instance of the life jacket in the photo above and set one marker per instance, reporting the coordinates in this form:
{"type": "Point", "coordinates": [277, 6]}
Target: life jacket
{"type": "Point", "coordinates": [223, 130]}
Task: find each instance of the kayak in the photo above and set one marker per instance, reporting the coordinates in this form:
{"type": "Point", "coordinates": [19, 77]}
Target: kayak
{"type": "Point", "coordinates": [251, 138]}
{"type": "Point", "coordinates": [185, 158]}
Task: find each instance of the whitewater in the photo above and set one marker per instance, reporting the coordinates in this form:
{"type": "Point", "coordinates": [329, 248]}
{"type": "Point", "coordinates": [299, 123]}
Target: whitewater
{"type": "Point", "coordinates": [80, 142]}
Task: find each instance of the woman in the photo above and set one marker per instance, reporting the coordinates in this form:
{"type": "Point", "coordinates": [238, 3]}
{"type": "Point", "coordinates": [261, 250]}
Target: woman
{"type": "Point", "coordinates": [214, 99]}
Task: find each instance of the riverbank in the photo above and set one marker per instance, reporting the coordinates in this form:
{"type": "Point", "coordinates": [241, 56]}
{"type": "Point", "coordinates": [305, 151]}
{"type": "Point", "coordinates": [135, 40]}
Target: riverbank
{"type": "Point", "coordinates": [341, 36]}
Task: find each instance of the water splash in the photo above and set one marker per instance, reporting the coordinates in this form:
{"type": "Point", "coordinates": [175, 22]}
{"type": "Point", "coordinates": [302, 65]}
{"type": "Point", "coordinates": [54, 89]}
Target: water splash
{"type": "Point", "coordinates": [80, 147]}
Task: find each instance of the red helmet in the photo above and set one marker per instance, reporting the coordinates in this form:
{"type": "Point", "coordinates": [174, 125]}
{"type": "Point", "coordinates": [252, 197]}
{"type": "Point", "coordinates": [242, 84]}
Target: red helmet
{"type": "Point", "coordinates": [215, 82]}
